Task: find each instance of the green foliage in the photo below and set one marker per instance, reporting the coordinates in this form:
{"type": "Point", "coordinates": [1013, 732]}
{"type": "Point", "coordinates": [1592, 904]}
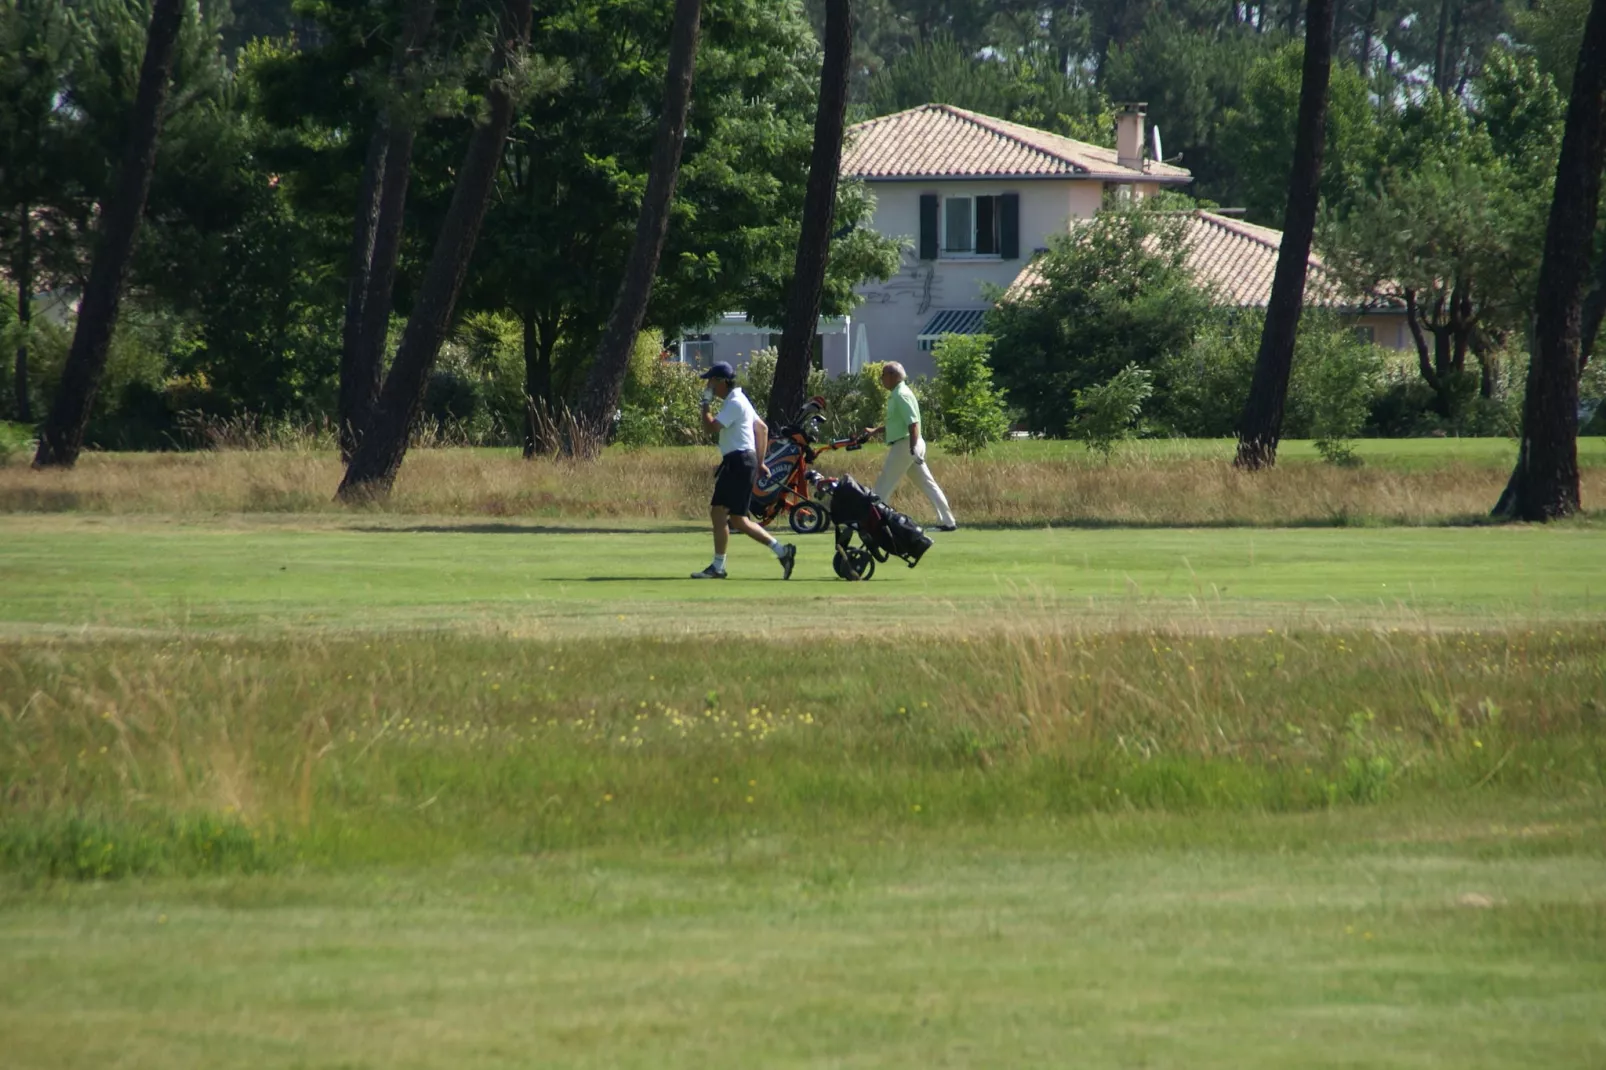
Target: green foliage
{"type": "Point", "coordinates": [41, 142]}
{"type": "Point", "coordinates": [1334, 381]}
{"type": "Point", "coordinates": [1521, 112]}
{"type": "Point", "coordinates": [563, 220]}
{"type": "Point", "coordinates": [87, 847]}
{"type": "Point", "coordinates": [1024, 87]}
{"type": "Point", "coordinates": [1592, 394]}
{"type": "Point", "coordinates": [132, 408]}
{"type": "Point", "coordinates": [1553, 30]}
{"type": "Point", "coordinates": [662, 400]}
{"type": "Point", "coordinates": [861, 399]}
{"type": "Point", "coordinates": [1115, 292]}
{"type": "Point", "coordinates": [972, 408]}
{"type": "Point", "coordinates": [1453, 225]}
{"type": "Point", "coordinates": [758, 377]}
{"type": "Point", "coordinates": [1107, 414]}
{"type": "Point", "coordinates": [16, 442]}
{"type": "Point", "coordinates": [1192, 78]}
{"type": "Point", "coordinates": [1258, 136]}
{"type": "Point", "coordinates": [1206, 384]}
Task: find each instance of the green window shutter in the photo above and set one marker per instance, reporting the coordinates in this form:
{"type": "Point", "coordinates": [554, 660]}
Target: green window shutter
{"type": "Point", "coordinates": [928, 226]}
{"type": "Point", "coordinates": [1009, 226]}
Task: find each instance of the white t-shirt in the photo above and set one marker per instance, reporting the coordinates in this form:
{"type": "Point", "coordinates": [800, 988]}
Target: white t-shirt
{"type": "Point", "coordinates": [735, 419]}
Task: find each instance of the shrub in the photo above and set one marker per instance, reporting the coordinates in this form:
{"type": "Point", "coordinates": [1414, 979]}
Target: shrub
{"type": "Point", "coordinates": [933, 419]}
{"type": "Point", "coordinates": [661, 404]}
{"type": "Point", "coordinates": [16, 441]}
{"type": "Point", "coordinates": [1334, 380]}
{"type": "Point", "coordinates": [972, 408]}
{"type": "Point", "coordinates": [1591, 396]}
{"type": "Point", "coordinates": [1335, 390]}
{"type": "Point", "coordinates": [1404, 404]}
{"type": "Point", "coordinates": [1206, 384]}
{"type": "Point", "coordinates": [1108, 413]}
{"type": "Point", "coordinates": [758, 378]}
{"type": "Point", "coordinates": [854, 402]}
{"type": "Point", "coordinates": [1115, 292]}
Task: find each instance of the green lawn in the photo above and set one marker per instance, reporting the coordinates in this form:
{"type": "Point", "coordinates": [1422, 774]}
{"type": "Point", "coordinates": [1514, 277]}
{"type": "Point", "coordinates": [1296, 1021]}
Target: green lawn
{"type": "Point", "coordinates": [336, 792]}
{"type": "Point", "coordinates": [268, 574]}
{"type": "Point", "coordinates": [1412, 939]}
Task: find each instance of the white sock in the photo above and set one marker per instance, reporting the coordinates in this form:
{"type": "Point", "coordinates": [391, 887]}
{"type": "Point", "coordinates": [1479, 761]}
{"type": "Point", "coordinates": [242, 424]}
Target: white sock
{"type": "Point", "coordinates": [775, 547]}
{"type": "Point", "coordinates": [719, 562]}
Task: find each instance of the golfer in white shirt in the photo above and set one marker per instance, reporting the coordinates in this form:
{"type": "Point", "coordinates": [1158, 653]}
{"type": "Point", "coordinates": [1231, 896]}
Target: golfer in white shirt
{"type": "Point", "coordinates": [743, 440]}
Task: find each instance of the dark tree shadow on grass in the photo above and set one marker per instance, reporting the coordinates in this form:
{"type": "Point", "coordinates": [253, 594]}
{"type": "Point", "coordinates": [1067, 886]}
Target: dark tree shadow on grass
{"type": "Point", "coordinates": [522, 529]}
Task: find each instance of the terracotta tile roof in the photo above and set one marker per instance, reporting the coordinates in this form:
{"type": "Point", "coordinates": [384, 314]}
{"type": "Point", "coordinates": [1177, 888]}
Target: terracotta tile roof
{"type": "Point", "coordinates": [942, 141]}
{"type": "Point", "coordinates": [1237, 260]}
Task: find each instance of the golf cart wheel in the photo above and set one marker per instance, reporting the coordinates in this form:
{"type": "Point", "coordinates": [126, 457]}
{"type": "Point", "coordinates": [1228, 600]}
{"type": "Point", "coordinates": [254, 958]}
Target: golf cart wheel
{"type": "Point", "coordinates": [854, 564]}
{"type": "Point", "coordinates": [808, 518]}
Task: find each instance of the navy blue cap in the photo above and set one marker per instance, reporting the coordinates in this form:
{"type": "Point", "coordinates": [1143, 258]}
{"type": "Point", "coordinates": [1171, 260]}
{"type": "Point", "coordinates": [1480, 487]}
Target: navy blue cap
{"type": "Point", "coordinates": [720, 370]}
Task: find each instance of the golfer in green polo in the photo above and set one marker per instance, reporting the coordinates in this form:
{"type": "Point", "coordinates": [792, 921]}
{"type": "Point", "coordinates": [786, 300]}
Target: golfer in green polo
{"type": "Point", "coordinates": [906, 449]}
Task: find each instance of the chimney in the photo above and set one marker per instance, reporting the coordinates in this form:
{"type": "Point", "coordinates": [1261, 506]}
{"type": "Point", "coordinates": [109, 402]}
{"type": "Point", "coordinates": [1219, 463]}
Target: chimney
{"type": "Point", "coordinates": [1129, 135]}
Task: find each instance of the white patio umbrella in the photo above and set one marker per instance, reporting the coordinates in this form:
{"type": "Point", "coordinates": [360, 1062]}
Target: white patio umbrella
{"type": "Point", "coordinates": [861, 350]}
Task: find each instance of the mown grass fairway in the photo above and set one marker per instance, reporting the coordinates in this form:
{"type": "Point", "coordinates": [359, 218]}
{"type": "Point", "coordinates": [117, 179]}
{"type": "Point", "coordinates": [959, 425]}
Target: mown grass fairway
{"type": "Point", "coordinates": [314, 789]}
{"type": "Point", "coordinates": [264, 574]}
{"type": "Point", "coordinates": [1397, 939]}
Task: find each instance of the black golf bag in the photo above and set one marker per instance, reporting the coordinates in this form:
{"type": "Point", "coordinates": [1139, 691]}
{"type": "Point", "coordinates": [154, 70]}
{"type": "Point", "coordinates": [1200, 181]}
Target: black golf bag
{"type": "Point", "coordinates": [883, 532]}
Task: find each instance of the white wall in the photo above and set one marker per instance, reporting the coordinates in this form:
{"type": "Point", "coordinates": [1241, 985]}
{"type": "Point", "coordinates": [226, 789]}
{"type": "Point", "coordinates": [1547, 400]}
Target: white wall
{"type": "Point", "coordinates": [894, 311]}
{"type": "Point", "coordinates": [737, 344]}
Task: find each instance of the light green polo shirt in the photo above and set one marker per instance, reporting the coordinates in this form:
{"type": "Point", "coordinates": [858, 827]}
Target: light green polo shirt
{"type": "Point", "coordinates": [902, 410]}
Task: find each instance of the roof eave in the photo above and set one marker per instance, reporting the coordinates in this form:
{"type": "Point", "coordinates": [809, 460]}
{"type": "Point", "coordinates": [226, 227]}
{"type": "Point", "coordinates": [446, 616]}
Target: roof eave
{"type": "Point", "coordinates": [1001, 176]}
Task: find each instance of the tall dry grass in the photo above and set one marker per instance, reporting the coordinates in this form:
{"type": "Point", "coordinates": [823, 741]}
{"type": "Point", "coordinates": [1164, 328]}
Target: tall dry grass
{"type": "Point", "coordinates": [674, 485]}
{"type": "Point", "coordinates": [368, 747]}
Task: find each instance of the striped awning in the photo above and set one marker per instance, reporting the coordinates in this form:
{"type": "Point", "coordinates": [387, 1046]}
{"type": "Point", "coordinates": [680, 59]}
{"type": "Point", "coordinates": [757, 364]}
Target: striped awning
{"type": "Point", "coordinates": [951, 321]}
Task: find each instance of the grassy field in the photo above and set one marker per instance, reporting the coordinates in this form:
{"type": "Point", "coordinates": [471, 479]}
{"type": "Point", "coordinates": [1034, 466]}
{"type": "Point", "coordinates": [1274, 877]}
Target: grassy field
{"type": "Point", "coordinates": [1184, 483]}
{"type": "Point", "coordinates": [1402, 939]}
{"type": "Point", "coordinates": [305, 788]}
{"type": "Point", "coordinates": [265, 574]}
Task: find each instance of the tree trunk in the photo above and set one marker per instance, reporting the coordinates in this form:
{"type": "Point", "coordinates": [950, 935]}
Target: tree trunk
{"type": "Point", "coordinates": [383, 444]}
{"type": "Point", "coordinates": [362, 262]}
{"type": "Point", "coordinates": [1544, 484]}
{"type": "Point", "coordinates": [605, 382]}
{"type": "Point", "coordinates": [540, 338]}
{"type": "Point", "coordinates": [360, 371]}
{"type": "Point", "coordinates": [1262, 423]}
{"type": "Point", "coordinates": [1424, 362]}
{"type": "Point", "coordinates": [376, 307]}
{"type": "Point", "coordinates": [62, 436]}
{"type": "Point", "coordinates": [819, 208]}
{"type": "Point", "coordinates": [1366, 41]}
{"type": "Point", "coordinates": [24, 272]}
{"type": "Point", "coordinates": [1443, 75]}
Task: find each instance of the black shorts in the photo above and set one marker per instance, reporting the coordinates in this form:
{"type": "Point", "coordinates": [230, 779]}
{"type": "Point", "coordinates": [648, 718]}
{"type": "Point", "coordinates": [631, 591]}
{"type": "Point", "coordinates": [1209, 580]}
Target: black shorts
{"type": "Point", "coordinates": [733, 485]}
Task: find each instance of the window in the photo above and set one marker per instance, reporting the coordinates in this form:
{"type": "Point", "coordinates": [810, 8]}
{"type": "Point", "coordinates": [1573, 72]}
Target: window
{"type": "Point", "coordinates": [970, 226]}
{"type": "Point", "coordinates": [697, 350]}
{"type": "Point", "coordinates": [1365, 334]}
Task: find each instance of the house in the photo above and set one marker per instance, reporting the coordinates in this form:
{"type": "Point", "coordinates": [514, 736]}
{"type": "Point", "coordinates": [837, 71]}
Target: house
{"type": "Point", "coordinates": [1237, 261]}
{"type": "Point", "coordinates": [977, 198]}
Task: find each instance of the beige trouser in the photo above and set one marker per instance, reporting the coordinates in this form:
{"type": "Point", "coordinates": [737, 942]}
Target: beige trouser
{"type": "Point", "coordinates": [899, 462]}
